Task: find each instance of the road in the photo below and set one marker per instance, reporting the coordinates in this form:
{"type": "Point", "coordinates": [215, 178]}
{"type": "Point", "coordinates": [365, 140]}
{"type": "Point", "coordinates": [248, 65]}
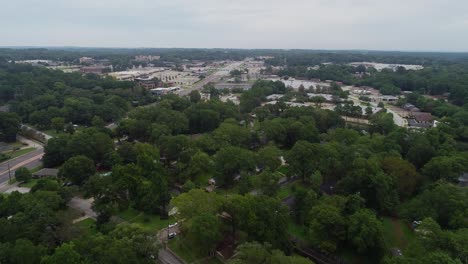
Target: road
{"type": "Point", "coordinates": [215, 77]}
{"type": "Point", "coordinates": [30, 160]}
{"type": "Point", "coordinates": [166, 257]}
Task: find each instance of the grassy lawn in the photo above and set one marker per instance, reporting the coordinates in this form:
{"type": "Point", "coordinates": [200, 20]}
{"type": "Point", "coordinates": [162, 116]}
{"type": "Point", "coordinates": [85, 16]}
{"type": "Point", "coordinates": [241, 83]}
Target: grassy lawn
{"type": "Point", "coordinates": [287, 190]}
{"type": "Point", "coordinates": [19, 152]}
{"type": "Point", "coordinates": [52, 132]}
{"type": "Point", "coordinates": [7, 147]}
{"type": "Point", "coordinates": [88, 225]}
{"type": "Point", "coordinates": [36, 169]}
{"type": "Point", "coordinates": [397, 233]}
{"type": "Point", "coordinates": [284, 192]}
{"type": "Point", "coordinates": [148, 222]}
{"type": "Point", "coordinates": [30, 183]}
{"type": "Point", "coordinates": [185, 252]}
{"type": "Point", "coordinates": [297, 231]}
{"type": "Point", "coordinates": [284, 170]}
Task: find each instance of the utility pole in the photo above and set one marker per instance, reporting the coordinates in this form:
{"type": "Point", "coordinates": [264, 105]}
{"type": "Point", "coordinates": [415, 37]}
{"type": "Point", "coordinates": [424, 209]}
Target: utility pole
{"type": "Point", "coordinates": [9, 171]}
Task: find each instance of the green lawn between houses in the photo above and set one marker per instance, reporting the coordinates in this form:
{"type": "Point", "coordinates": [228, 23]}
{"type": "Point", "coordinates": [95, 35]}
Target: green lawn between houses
{"type": "Point", "coordinates": [88, 225]}
{"type": "Point", "coordinates": [397, 233]}
{"type": "Point", "coordinates": [147, 222]}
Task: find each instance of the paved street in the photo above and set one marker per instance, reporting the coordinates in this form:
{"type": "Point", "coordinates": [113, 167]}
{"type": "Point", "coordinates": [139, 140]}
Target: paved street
{"type": "Point", "coordinates": [215, 77]}
{"type": "Point", "coordinates": [166, 257]}
{"type": "Point", "coordinates": [29, 160]}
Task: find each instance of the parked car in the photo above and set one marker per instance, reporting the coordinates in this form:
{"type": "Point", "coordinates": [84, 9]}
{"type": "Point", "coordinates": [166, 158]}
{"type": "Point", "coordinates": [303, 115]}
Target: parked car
{"type": "Point", "coordinates": [173, 225]}
{"type": "Point", "coordinates": [171, 235]}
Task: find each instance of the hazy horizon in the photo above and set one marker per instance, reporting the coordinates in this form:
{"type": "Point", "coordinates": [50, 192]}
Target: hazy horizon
{"type": "Point", "coordinates": [412, 25]}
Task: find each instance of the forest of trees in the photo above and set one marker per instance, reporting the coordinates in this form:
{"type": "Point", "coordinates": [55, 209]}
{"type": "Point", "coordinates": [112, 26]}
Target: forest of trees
{"type": "Point", "coordinates": [285, 176]}
{"type": "Point", "coordinates": [50, 99]}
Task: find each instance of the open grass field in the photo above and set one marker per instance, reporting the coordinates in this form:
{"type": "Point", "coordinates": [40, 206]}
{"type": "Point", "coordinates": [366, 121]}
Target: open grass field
{"type": "Point", "coordinates": [30, 183]}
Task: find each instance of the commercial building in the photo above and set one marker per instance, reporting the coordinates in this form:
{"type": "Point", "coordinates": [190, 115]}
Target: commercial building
{"type": "Point", "coordinates": [164, 90]}
{"type": "Point", "coordinates": [86, 60]}
{"type": "Point", "coordinates": [94, 69]}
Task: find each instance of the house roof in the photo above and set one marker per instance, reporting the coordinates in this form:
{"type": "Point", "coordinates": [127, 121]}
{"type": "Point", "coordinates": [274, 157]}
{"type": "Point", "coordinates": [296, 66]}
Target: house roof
{"type": "Point", "coordinates": [423, 117]}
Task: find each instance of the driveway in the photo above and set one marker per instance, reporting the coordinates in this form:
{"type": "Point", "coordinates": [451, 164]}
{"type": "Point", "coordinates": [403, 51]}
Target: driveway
{"type": "Point", "coordinates": [83, 206]}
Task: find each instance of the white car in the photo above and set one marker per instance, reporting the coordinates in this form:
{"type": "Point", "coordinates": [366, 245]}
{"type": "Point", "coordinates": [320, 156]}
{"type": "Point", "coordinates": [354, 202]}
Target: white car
{"type": "Point", "coordinates": [171, 235]}
{"type": "Point", "coordinates": [173, 225]}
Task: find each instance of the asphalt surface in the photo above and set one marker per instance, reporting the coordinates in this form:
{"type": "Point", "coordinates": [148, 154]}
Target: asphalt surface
{"type": "Point", "coordinates": [30, 160]}
{"type": "Point", "coordinates": [215, 77]}
{"type": "Point", "coordinates": [166, 257]}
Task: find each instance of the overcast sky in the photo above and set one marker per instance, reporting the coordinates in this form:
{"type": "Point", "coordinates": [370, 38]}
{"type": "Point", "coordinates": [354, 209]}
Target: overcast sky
{"type": "Point", "coordinates": [426, 25]}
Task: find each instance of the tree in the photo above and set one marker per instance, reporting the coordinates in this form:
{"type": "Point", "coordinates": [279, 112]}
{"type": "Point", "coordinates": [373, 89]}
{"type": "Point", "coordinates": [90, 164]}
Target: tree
{"type": "Point", "coordinates": [55, 152]}
{"type": "Point", "coordinates": [77, 169]}
{"type": "Point", "coordinates": [316, 180]}
{"type": "Point", "coordinates": [195, 96]}
{"type": "Point", "coordinates": [196, 202]}
{"type": "Point", "coordinates": [269, 157]}
{"type": "Point", "coordinates": [24, 252]}
{"type": "Point", "coordinates": [377, 188]}
{"type": "Point", "coordinates": [327, 227]}
{"type": "Point", "coordinates": [230, 161]}
{"type": "Point", "coordinates": [63, 254]}
{"type": "Point", "coordinates": [204, 232]}
{"type": "Point", "coordinates": [382, 123]}
{"type": "Point", "coordinates": [69, 129]}
{"type": "Point", "coordinates": [268, 182]}
{"type": "Point", "coordinates": [254, 253]}
{"type": "Point", "coordinates": [97, 122]}
{"type": "Point", "coordinates": [318, 101]}
{"type": "Point", "coordinates": [23, 174]}
{"type": "Point", "coordinates": [404, 173]}
{"type": "Point", "coordinates": [58, 123]}
{"type": "Point", "coordinates": [445, 203]}
{"type": "Point", "coordinates": [261, 218]}
{"type": "Point", "coordinates": [9, 126]}
{"type": "Point", "coordinates": [369, 111]}
{"type": "Point", "coordinates": [420, 152]}
{"type": "Point", "coordinates": [445, 167]}
{"type": "Point", "coordinates": [200, 164]}
{"type": "Point", "coordinates": [231, 133]}
{"type": "Point", "coordinates": [173, 148]}
{"type": "Point", "coordinates": [365, 231]}
{"type": "Point", "coordinates": [300, 159]}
